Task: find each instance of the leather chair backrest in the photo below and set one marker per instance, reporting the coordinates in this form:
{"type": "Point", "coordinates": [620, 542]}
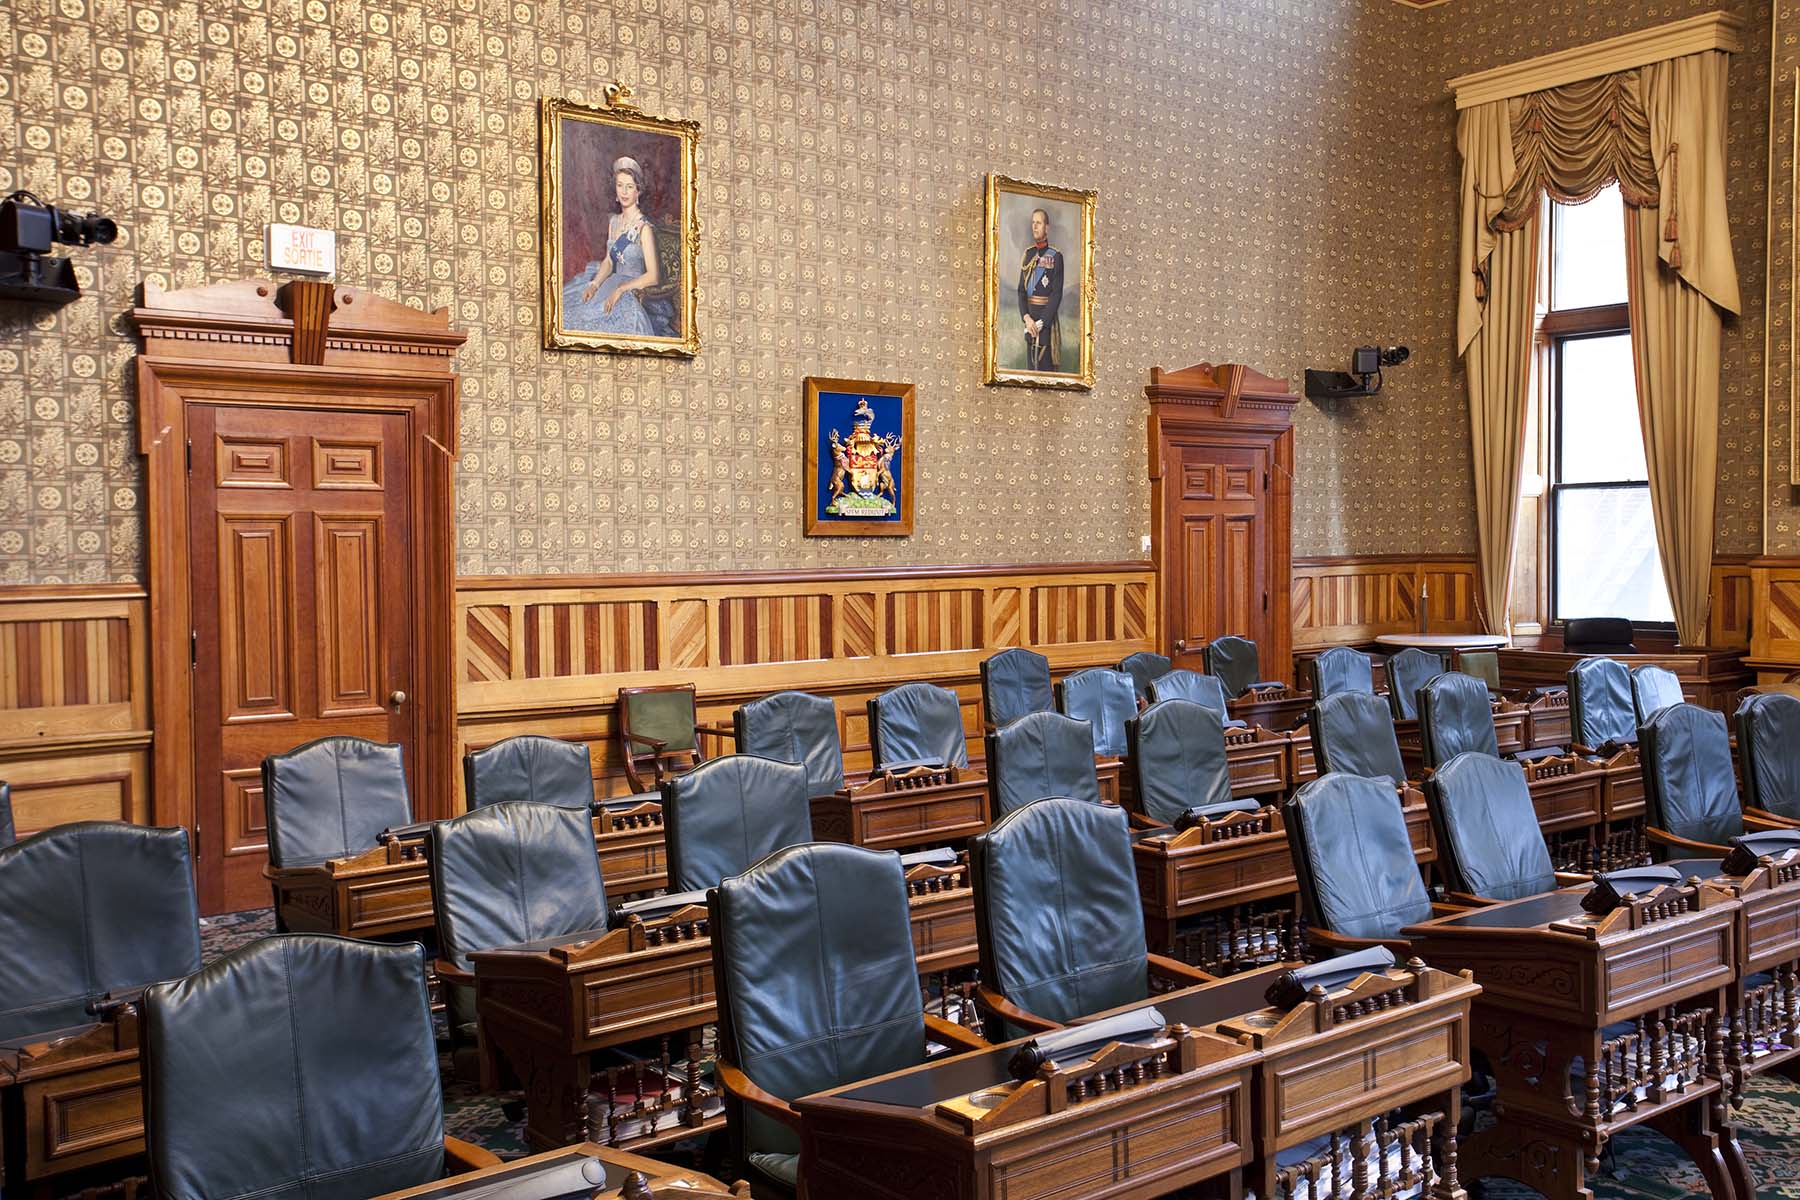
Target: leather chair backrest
{"type": "Point", "coordinates": [1105, 699]}
{"type": "Point", "coordinates": [1177, 758]}
{"type": "Point", "coordinates": [1482, 664]}
{"type": "Point", "coordinates": [666, 714]}
{"type": "Point", "coordinates": [7, 836]}
{"type": "Point", "coordinates": [1013, 683]}
{"type": "Point", "coordinates": [1057, 911]}
{"type": "Point", "coordinates": [1489, 842]}
{"type": "Point", "coordinates": [1041, 754]}
{"type": "Point", "coordinates": [1653, 689]}
{"type": "Point", "coordinates": [1341, 669]}
{"type": "Point", "coordinates": [1353, 734]}
{"type": "Point", "coordinates": [795, 727]}
{"type": "Point", "coordinates": [90, 908]}
{"type": "Point", "coordinates": [332, 798]}
{"type": "Point", "coordinates": [1353, 859]}
{"type": "Point", "coordinates": [1600, 708]}
{"type": "Point", "coordinates": [1233, 659]}
{"type": "Point", "coordinates": [513, 873]}
{"type": "Point", "coordinates": [815, 974]}
{"type": "Point", "coordinates": [1192, 686]}
{"type": "Point", "coordinates": [540, 770]}
{"type": "Point", "coordinates": [1689, 787]}
{"type": "Point", "coordinates": [917, 722]}
{"type": "Point", "coordinates": [1769, 746]}
{"type": "Point", "coordinates": [1407, 672]}
{"type": "Point", "coordinates": [1143, 667]}
{"type": "Point", "coordinates": [1599, 635]}
{"type": "Point", "coordinates": [728, 814]}
{"type": "Point", "coordinates": [1455, 716]}
{"type": "Point", "coordinates": [299, 1066]}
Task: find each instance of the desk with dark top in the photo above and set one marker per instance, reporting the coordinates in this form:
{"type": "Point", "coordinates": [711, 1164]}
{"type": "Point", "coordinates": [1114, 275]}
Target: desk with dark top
{"type": "Point", "coordinates": [905, 810]}
{"type": "Point", "coordinates": [1595, 1024]}
{"type": "Point", "coordinates": [1278, 711]}
{"type": "Point", "coordinates": [70, 1101]}
{"type": "Point", "coordinates": [1226, 1086]}
{"type": "Point", "coordinates": [659, 1181]}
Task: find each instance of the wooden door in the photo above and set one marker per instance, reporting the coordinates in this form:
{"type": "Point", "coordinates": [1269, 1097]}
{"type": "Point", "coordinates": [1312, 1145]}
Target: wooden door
{"type": "Point", "coordinates": [1218, 545]}
{"type": "Point", "coordinates": [300, 553]}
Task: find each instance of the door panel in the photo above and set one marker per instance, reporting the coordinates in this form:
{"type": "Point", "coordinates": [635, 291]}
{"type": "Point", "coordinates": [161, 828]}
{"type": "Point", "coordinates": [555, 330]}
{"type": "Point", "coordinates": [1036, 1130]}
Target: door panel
{"type": "Point", "coordinates": [1217, 545]}
{"type": "Point", "coordinates": [298, 539]}
{"type": "Point", "coordinates": [1200, 571]}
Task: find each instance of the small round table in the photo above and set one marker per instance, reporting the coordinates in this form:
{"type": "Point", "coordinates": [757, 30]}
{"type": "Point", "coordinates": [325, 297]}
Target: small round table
{"type": "Point", "coordinates": [1444, 641]}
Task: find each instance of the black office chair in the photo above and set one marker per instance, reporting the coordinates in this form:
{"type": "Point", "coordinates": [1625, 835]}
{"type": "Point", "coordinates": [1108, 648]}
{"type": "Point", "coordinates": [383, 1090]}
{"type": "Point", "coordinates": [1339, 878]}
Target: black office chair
{"type": "Point", "coordinates": [1176, 754]}
{"type": "Point", "coordinates": [1041, 754]}
{"type": "Point", "coordinates": [1690, 792]}
{"type": "Point", "coordinates": [89, 909]}
{"type": "Point", "coordinates": [1489, 844]}
{"type": "Point", "coordinates": [504, 875]}
{"type": "Point", "coordinates": [7, 837]}
{"type": "Point", "coordinates": [1599, 635]}
{"type": "Point", "coordinates": [331, 798]}
{"type": "Point", "coordinates": [299, 1066]}
{"type": "Point", "coordinates": [1145, 667]}
{"type": "Point", "coordinates": [817, 985]}
{"type": "Point", "coordinates": [1455, 717]}
{"type": "Point", "coordinates": [1353, 734]}
{"type": "Point", "coordinates": [1182, 684]}
{"type": "Point", "coordinates": [1341, 669]}
{"type": "Point", "coordinates": [1601, 716]}
{"type": "Point", "coordinates": [1234, 660]}
{"type": "Point", "coordinates": [1653, 689]}
{"type": "Point", "coordinates": [1014, 683]}
{"type": "Point", "coordinates": [1059, 919]}
{"type": "Point", "coordinates": [1105, 699]}
{"type": "Point", "coordinates": [917, 723]}
{"type": "Point", "coordinates": [1353, 863]}
{"type": "Point", "coordinates": [1407, 672]}
{"type": "Point", "coordinates": [1768, 729]}
{"type": "Point", "coordinates": [795, 727]}
{"type": "Point", "coordinates": [730, 813]}
{"type": "Point", "coordinates": [538, 770]}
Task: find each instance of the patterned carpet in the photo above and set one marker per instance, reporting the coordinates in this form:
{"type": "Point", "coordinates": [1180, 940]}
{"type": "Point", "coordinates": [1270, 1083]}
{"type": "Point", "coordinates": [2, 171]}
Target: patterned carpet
{"type": "Point", "coordinates": [1640, 1166]}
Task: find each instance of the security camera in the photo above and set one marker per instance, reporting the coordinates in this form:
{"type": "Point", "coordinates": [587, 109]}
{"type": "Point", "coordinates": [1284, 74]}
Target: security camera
{"type": "Point", "coordinates": [28, 228]}
{"type": "Point", "coordinates": [1363, 378]}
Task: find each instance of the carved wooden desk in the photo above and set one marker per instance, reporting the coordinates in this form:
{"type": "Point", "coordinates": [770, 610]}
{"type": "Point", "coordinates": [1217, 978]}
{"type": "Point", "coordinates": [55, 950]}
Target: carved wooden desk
{"type": "Point", "coordinates": [69, 1101]}
{"type": "Point", "coordinates": [383, 891]}
{"type": "Point", "coordinates": [660, 1180]}
{"type": "Point", "coordinates": [1259, 762]}
{"type": "Point", "coordinates": [1212, 866]}
{"type": "Point", "coordinates": [1547, 721]}
{"type": "Point", "coordinates": [633, 853]}
{"type": "Point", "coordinates": [905, 810]}
{"type": "Point", "coordinates": [1509, 733]}
{"type": "Point", "coordinates": [1595, 1024]}
{"type": "Point", "coordinates": [1280, 711]}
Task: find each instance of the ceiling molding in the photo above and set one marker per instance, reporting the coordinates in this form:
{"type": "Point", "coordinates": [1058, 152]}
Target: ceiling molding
{"type": "Point", "coordinates": [1708, 31]}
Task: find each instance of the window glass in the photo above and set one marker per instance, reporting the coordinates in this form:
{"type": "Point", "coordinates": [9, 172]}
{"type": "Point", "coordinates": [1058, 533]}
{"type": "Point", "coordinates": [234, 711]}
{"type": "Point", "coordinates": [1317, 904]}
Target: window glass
{"type": "Point", "coordinates": [1601, 439]}
{"type": "Point", "coordinates": [1587, 251]}
{"type": "Point", "coordinates": [1606, 561]}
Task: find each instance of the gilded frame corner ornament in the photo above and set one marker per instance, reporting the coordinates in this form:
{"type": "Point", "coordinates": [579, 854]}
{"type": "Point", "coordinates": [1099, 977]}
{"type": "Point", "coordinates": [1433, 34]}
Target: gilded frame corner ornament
{"type": "Point", "coordinates": [992, 372]}
{"type": "Point", "coordinates": [620, 111]}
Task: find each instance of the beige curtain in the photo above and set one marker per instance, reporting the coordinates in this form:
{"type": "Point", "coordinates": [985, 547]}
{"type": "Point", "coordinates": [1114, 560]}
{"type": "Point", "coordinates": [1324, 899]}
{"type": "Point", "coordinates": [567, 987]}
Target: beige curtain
{"type": "Point", "coordinates": [1681, 275]}
{"type": "Point", "coordinates": [1495, 322]}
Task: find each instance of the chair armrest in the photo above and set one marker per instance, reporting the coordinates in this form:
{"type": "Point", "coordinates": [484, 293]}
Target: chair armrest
{"type": "Point", "coordinates": [1139, 821]}
{"type": "Point", "coordinates": [1178, 972]}
{"type": "Point", "coordinates": [1440, 908]}
{"type": "Point", "coordinates": [1760, 820]}
{"type": "Point", "coordinates": [449, 973]}
{"type": "Point", "coordinates": [1662, 837]}
{"type": "Point", "coordinates": [724, 733]}
{"type": "Point", "coordinates": [1337, 943]}
{"type": "Point", "coordinates": [999, 1006]}
{"type": "Point", "coordinates": [1465, 900]}
{"type": "Point", "coordinates": [461, 1157]}
{"type": "Point", "coordinates": [953, 1035]}
{"type": "Point", "coordinates": [655, 744]}
{"type": "Point", "coordinates": [768, 1104]}
{"type": "Point", "coordinates": [1572, 879]}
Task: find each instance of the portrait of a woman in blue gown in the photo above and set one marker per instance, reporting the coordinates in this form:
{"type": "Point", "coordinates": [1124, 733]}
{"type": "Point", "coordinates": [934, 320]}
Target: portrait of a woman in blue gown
{"type": "Point", "coordinates": [608, 296]}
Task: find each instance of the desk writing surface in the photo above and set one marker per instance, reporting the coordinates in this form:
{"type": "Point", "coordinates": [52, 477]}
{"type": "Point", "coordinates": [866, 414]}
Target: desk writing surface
{"type": "Point", "coordinates": [545, 945]}
{"type": "Point", "coordinates": [1528, 913]}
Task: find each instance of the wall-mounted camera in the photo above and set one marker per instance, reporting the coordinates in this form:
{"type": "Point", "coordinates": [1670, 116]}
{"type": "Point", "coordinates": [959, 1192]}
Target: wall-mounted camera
{"type": "Point", "coordinates": [1362, 379]}
{"type": "Point", "coordinates": [28, 228]}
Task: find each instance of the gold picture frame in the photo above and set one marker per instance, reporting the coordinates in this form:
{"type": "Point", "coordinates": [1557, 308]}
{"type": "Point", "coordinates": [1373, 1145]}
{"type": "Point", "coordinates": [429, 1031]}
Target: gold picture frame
{"type": "Point", "coordinates": [858, 472]}
{"type": "Point", "coordinates": [617, 154]}
{"type": "Point", "coordinates": [1013, 353]}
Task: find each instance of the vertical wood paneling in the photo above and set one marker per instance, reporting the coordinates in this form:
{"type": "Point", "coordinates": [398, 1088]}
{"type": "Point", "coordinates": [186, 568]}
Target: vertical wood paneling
{"type": "Point", "coordinates": [564, 640]}
{"type": "Point", "coordinates": [933, 622]}
{"type": "Point", "coordinates": [1077, 613]}
{"type": "Point", "coordinates": [768, 629]}
{"type": "Point", "coordinates": [1351, 600]}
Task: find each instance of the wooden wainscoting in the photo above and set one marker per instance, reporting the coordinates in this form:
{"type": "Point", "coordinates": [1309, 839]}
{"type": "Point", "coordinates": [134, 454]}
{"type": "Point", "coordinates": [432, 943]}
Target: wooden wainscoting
{"type": "Point", "coordinates": [75, 703]}
{"type": "Point", "coordinates": [1733, 584]}
{"type": "Point", "coordinates": [1775, 618]}
{"type": "Point", "coordinates": [548, 654]}
{"type": "Point", "coordinates": [1357, 598]}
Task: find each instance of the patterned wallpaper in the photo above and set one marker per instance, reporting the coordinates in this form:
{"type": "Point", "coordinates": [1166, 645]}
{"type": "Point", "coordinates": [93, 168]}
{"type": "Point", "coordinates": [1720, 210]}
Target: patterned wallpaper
{"type": "Point", "coordinates": [1275, 200]}
{"type": "Point", "coordinates": [1782, 535]}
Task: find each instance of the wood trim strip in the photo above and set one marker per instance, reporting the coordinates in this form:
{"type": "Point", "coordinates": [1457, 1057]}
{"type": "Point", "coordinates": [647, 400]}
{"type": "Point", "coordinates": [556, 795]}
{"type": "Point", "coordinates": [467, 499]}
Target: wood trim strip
{"type": "Point", "coordinates": [498, 583]}
{"type": "Point", "coordinates": [1708, 31]}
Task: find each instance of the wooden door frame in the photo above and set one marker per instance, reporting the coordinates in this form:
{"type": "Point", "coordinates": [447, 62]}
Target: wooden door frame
{"type": "Point", "coordinates": [251, 344]}
{"type": "Point", "coordinates": [1230, 405]}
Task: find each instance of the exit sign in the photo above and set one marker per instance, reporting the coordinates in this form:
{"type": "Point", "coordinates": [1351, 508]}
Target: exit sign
{"type": "Point", "coordinates": [302, 248]}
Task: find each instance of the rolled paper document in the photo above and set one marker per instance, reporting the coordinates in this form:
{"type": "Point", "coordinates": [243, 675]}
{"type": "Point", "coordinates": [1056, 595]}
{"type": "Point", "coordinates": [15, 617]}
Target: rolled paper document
{"type": "Point", "coordinates": [1615, 887]}
{"type": "Point", "coordinates": [1291, 987]}
{"type": "Point", "coordinates": [656, 906]}
{"type": "Point", "coordinates": [1747, 848]}
{"type": "Point", "coordinates": [936, 764]}
{"type": "Point", "coordinates": [942, 856]}
{"type": "Point", "coordinates": [1078, 1042]}
{"type": "Point", "coordinates": [570, 1180]}
{"type": "Point", "coordinates": [405, 833]}
{"type": "Point", "coordinates": [1214, 812]}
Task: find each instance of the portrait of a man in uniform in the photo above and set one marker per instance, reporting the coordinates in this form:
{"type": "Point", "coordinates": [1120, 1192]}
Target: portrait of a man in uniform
{"type": "Point", "coordinates": [1040, 284]}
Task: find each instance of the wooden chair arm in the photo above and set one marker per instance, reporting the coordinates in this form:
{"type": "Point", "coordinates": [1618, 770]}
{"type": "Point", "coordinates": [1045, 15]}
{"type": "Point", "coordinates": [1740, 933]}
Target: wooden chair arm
{"type": "Point", "coordinates": [724, 733]}
{"type": "Point", "coordinates": [996, 1005]}
{"type": "Point", "coordinates": [655, 744]}
{"type": "Point", "coordinates": [1662, 837]}
{"type": "Point", "coordinates": [461, 1157]}
{"type": "Point", "coordinates": [1139, 821]}
{"type": "Point", "coordinates": [1337, 943]}
{"type": "Point", "coordinates": [1572, 878]}
{"type": "Point", "coordinates": [953, 1035]}
{"type": "Point", "coordinates": [1441, 908]}
{"type": "Point", "coordinates": [1176, 971]}
{"type": "Point", "coordinates": [1760, 820]}
{"type": "Point", "coordinates": [768, 1104]}
{"type": "Point", "coordinates": [1465, 900]}
{"type": "Point", "coordinates": [449, 973]}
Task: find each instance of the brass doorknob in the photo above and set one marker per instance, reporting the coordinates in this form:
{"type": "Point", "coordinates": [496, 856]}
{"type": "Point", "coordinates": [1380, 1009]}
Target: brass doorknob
{"type": "Point", "coordinates": [1180, 645]}
{"type": "Point", "coordinates": [397, 699]}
